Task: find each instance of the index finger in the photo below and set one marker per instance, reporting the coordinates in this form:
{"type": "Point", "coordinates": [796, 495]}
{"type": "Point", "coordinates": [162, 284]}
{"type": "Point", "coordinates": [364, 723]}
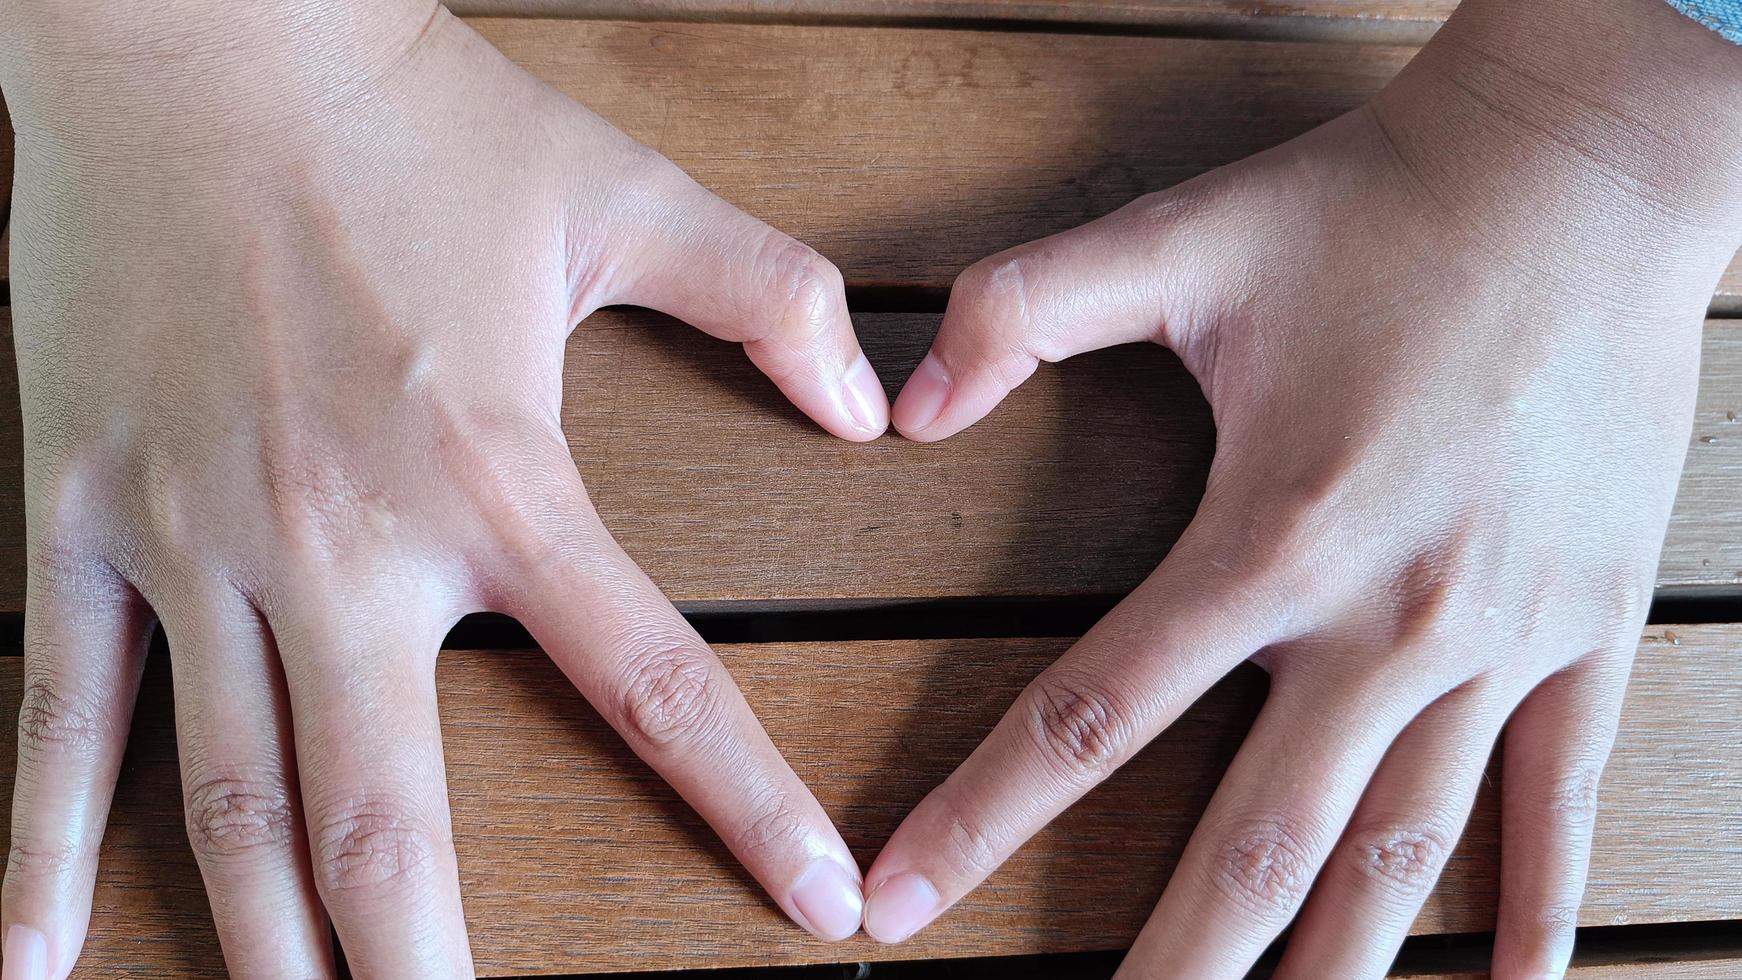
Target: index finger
{"type": "Point", "coordinates": [659, 685]}
{"type": "Point", "coordinates": [1076, 723]}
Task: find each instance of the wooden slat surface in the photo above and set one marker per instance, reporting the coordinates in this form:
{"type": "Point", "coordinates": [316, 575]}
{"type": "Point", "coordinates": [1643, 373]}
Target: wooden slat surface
{"type": "Point", "coordinates": [1724, 968]}
{"type": "Point", "coordinates": [905, 155]}
{"type": "Point", "coordinates": [1719, 969]}
{"type": "Point", "coordinates": [575, 857]}
{"type": "Point", "coordinates": [1076, 486]}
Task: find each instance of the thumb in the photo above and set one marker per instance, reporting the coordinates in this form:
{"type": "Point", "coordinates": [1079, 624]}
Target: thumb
{"type": "Point", "coordinates": [1097, 285]}
{"type": "Point", "coordinates": [732, 276]}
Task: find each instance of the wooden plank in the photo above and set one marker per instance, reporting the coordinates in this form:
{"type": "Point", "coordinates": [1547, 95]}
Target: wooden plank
{"type": "Point", "coordinates": [1719, 969]}
{"type": "Point", "coordinates": [1076, 486]}
{"type": "Point", "coordinates": [574, 857]}
{"type": "Point", "coordinates": [1725, 968]}
{"type": "Point", "coordinates": [906, 155]}
{"type": "Point", "coordinates": [1368, 20]}
{"type": "Point", "coordinates": [1727, 301]}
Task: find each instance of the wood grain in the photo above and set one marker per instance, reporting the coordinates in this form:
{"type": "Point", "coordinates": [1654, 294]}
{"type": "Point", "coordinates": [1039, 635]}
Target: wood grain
{"type": "Point", "coordinates": [1719, 969]}
{"type": "Point", "coordinates": [574, 857]}
{"type": "Point", "coordinates": [906, 155]}
{"type": "Point", "coordinates": [1725, 968]}
{"type": "Point", "coordinates": [1368, 20]}
{"type": "Point", "coordinates": [1076, 486]}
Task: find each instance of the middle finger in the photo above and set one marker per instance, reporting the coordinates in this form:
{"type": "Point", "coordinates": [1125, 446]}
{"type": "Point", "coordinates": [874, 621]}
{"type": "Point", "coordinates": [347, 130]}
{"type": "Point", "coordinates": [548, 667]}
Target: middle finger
{"type": "Point", "coordinates": [1274, 819]}
{"type": "Point", "coordinates": [1409, 819]}
{"type": "Point", "coordinates": [374, 792]}
{"type": "Point", "coordinates": [239, 788]}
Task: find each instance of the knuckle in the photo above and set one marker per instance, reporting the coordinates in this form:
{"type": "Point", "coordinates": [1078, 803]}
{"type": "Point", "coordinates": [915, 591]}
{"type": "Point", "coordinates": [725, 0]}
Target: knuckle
{"type": "Point", "coordinates": [56, 720]}
{"type": "Point", "coordinates": [31, 857]}
{"type": "Point", "coordinates": [999, 285]}
{"type": "Point", "coordinates": [1573, 796]}
{"type": "Point", "coordinates": [1422, 598]}
{"type": "Point", "coordinates": [673, 695]}
{"type": "Point", "coordinates": [1264, 867]}
{"type": "Point", "coordinates": [997, 291]}
{"type": "Point", "coordinates": [1080, 727]}
{"type": "Point", "coordinates": [803, 280]}
{"type": "Point", "coordinates": [776, 822]}
{"type": "Point", "coordinates": [1540, 938]}
{"type": "Point", "coordinates": [1406, 860]}
{"type": "Point", "coordinates": [969, 840]}
{"type": "Point", "coordinates": [371, 843]}
{"type": "Point", "coordinates": [228, 817]}
{"type": "Point", "coordinates": [1558, 922]}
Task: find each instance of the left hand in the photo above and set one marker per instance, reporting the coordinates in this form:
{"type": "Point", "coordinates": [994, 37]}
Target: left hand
{"type": "Point", "coordinates": [298, 397]}
{"type": "Point", "coordinates": [1451, 342]}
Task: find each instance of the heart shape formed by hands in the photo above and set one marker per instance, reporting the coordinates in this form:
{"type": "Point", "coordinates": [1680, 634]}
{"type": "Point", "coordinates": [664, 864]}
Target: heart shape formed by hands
{"type": "Point", "coordinates": [259, 409]}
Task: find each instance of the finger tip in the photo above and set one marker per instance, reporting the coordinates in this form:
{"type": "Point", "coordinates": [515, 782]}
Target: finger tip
{"type": "Point", "coordinates": [863, 435]}
{"type": "Point", "coordinates": [827, 900]}
{"type": "Point", "coordinates": [920, 434]}
{"type": "Point", "coordinates": [899, 906]}
{"type": "Point", "coordinates": [866, 403]}
{"type": "Point", "coordinates": [921, 402]}
{"type": "Point", "coordinates": [24, 953]}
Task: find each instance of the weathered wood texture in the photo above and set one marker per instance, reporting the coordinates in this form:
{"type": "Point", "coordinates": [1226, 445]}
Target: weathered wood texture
{"type": "Point", "coordinates": [1077, 485]}
{"type": "Point", "coordinates": [1724, 968]}
{"type": "Point", "coordinates": [944, 146]}
{"type": "Point", "coordinates": [1370, 20]}
{"type": "Point", "coordinates": [575, 857]}
{"type": "Point", "coordinates": [906, 155]}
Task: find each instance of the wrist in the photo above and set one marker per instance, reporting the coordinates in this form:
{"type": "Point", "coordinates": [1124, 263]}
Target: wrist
{"type": "Point", "coordinates": [1635, 86]}
{"type": "Point", "coordinates": [80, 69]}
{"type": "Point", "coordinates": [1615, 123]}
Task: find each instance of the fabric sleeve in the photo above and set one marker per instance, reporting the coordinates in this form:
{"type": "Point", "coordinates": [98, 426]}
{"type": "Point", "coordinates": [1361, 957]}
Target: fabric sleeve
{"type": "Point", "coordinates": [1723, 16]}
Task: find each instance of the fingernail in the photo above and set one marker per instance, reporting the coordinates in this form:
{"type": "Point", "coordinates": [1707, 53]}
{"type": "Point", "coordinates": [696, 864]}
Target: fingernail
{"type": "Point", "coordinates": [923, 397]}
{"type": "Point", "coordinates": [25, 954]}
{"type": "Point", "coordinates": [900, 907]}
{"type": "Point", "coordinates": [865, 399]}
{"type": "Point", "coordinates": [827, 895]}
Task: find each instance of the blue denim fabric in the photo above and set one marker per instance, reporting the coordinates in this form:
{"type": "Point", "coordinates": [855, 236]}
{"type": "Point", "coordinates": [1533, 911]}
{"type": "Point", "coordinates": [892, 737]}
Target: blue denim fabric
{"type": "Point", "coordinates": [1723, 16]}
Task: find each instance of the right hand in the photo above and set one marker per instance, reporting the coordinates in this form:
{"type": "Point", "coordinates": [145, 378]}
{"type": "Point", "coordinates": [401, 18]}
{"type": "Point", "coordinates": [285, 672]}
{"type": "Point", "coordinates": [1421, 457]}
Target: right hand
{"type": "Point", "coordinates": [291, 308]}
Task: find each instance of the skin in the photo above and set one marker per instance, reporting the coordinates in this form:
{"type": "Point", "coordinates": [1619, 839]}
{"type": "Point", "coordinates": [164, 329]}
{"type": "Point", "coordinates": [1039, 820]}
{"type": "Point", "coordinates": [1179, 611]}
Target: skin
{"type": "Point", "coordinates": [291, 290]}
{"type": "Point", "coordinates": [1451, 343]}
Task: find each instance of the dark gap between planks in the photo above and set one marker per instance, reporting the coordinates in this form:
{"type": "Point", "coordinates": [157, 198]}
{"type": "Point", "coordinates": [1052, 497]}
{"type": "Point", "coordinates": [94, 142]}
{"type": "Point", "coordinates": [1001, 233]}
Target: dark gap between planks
{"type": "Point", "coordinates": [925, 619]}
{"type": "Point", "coordinates": [1673, 942]}
{"type": "Point", "coordinates": [1212, 27]}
